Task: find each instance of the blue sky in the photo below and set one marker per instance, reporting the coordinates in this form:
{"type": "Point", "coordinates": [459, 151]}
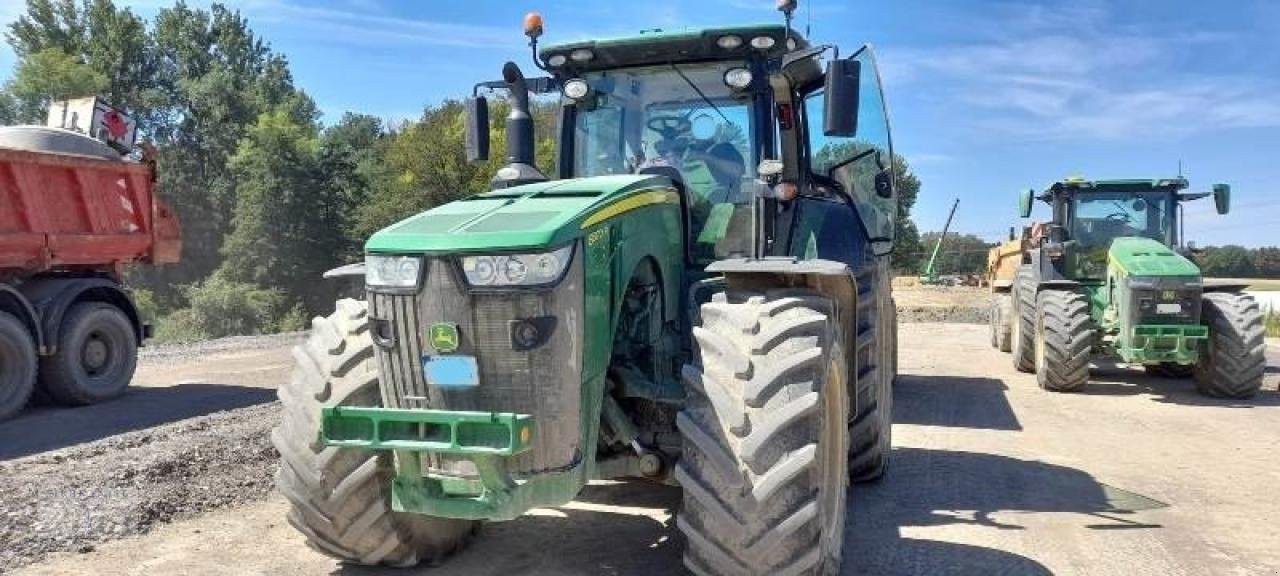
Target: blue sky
{"type": "Point", "coordinates": [986, 97]}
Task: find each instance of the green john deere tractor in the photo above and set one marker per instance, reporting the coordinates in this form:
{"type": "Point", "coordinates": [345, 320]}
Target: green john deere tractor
{"type": "Point", "coordinates": [700, 297]}
{"type": "Point", "coordinates": [1105, 277]}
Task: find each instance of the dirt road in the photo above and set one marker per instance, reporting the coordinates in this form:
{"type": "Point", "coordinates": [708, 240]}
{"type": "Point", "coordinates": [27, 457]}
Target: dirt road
{"type": "Point", "coordinates": [990, 476]}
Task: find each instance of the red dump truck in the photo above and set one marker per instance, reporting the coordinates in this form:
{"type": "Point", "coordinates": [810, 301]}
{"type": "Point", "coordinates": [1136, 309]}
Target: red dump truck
{"type": "Point", "coordinates": [74, 212]}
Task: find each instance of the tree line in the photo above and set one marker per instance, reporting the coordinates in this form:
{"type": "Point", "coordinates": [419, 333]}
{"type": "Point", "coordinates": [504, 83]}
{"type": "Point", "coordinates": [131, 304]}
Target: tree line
{"type": "Point", "coordinates": [268, 195]}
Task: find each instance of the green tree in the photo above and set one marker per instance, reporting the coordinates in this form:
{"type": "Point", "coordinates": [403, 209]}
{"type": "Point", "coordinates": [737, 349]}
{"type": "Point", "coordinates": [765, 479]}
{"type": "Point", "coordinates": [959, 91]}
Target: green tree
{"type": "Point", "coordinates": [960, 253]}
{"type": "Point", "coordinates": [1228, 261]}
{"type": "Point", "coordinates": [48, 75]}
{"type": "Point", "coordinates": [290, 212]}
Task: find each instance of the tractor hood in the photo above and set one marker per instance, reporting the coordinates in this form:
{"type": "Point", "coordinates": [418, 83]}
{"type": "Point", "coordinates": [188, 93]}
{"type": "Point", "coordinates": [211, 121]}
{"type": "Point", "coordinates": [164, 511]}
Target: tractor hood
{"type": "Point", "coordinates": [533, 216]}
{"type": "Point", "coordinates": [1139, 256]}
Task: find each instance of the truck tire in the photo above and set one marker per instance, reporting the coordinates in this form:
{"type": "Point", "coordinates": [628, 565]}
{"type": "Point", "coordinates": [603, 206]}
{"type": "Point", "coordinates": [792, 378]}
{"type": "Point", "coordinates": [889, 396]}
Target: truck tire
{"type": "Point", "coordinates": [1004, 336]}
{"type": "Point", "coordinates": [765, 428]}
{"type": "Point", "coordinates": [993, 322]}
{"type": "Point", "coordinates": [1063, 340]}
{"type": "Point", "coordinates": [340, 497]}
{"type": "Point", "coordinates": [1023, 321]}
{"type": "Point", "coordinates": [1168, 370]}
{"type": "Point", "coordinates": [871, 430]}
{"type": "Point", "coordinates": [1235, 354]}
{"type": "Point", "coordinates": [97, 355]}
{"type": "Point", "coordinates": [17, 365]}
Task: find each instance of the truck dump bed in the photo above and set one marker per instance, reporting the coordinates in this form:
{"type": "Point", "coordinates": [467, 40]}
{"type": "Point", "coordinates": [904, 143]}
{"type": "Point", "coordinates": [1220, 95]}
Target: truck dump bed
{"type": "Point", "coordinates": [63, 211]}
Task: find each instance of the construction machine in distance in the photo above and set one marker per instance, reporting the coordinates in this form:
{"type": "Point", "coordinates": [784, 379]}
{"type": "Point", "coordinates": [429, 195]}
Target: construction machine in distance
{"type": "Point", "coordinates": [1106, 277]}
{"type": "Point", "coordinates": [75, 210]}
{"type": "Point", "coordinates": [700, 296]}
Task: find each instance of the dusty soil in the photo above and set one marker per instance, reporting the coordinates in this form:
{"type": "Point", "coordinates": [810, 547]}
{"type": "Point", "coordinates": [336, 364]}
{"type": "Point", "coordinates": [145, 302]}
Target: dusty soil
{"type": "Point", "coordinates": [189, 437]}
{"type": "Point", "coordinates": [990, 475]}
{"type": "Point", "coordinates": [960, 304]}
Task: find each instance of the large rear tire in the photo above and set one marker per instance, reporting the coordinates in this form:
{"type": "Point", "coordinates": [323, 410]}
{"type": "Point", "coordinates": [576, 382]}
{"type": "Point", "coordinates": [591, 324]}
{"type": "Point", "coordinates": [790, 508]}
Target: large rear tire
{"type": "Point", "coordinates": [1023, 320]}
{"type": "Point", "coordinates": [1064, 337]}
{"type": "Point", "coordinates": [1234, 358]}
{"type": "Point", "coordinates": [765, 427]}
{"type": "Point", "coordinates": [97, 355]}
{"type": "Point", "coordinates": [871, 430]}
{"type": "Point", "coordinates": [17, 365]}
{"type": "Point", "coordinates": [340, 497]}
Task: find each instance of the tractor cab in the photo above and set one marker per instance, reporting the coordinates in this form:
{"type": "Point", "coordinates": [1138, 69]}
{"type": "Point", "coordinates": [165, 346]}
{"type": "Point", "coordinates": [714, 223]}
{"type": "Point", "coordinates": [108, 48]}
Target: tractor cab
{"type": "Point", "coordinates": [708, 110]}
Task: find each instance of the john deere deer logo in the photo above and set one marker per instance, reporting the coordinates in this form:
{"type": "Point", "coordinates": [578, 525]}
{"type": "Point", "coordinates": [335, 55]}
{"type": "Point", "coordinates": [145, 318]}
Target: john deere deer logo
{"type": "Point", "coordinates": [443, 337]}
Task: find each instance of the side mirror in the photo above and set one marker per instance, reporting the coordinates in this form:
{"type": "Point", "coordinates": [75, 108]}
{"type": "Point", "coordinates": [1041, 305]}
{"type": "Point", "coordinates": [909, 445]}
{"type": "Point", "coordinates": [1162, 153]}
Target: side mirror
{"type": "Point", "coordinates": [477, 129]}
{"type": "Point", "coordinates": [1024, 202]}
{"type": "Point", "coordinates": [1222, 198]}
{"type": "Point", "coordinates": [840, 98]}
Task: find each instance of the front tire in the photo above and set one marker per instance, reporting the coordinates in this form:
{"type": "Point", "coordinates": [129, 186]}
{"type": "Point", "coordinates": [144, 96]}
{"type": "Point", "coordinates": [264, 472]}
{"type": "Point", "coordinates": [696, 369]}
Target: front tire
{"type": "Point", "coordinates": [340, 497]}
{"type": "Point", "coordinates": [765, 462]}
{"type": "Point", "coordinates": [1063, 340]}
{"type": "Point", "coordinates": [1234, 357]}
{"type": "Point", "coordinates": [97, 355]}
{"type": "Point", "coordinates": [17, 365]}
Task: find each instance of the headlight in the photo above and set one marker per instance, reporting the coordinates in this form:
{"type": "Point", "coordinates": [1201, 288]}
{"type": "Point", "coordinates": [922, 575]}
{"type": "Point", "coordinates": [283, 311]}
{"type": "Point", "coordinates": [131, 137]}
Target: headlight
{"type": "Point", "coordinates": [763, 42]}
{"type": "Point", "coordinates": [556, 60]}
{"type": "Point", "coordinates": [576, 89]}
{"type": "Point", "coordinates": [737, 78]}
{"type": "Point", "coordinates": [581, 55]}
{"type": "Point", "coordinates": [517, 269]}
{"type": "Point", "coordinates": [392, 271]}
{"type": "Point", "coordinates": [729, 41]}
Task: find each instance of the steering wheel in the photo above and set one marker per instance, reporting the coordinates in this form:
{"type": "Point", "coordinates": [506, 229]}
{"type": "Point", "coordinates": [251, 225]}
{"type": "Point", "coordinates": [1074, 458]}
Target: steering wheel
{"type": "Point", "coordinates": [1121, 217]}
{"type": "Point", "coordinates": [669, 127]}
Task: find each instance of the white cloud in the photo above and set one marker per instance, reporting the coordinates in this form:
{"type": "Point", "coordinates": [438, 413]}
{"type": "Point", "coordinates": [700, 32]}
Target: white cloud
{"type": "Point", "coordinates": [1043, 72]}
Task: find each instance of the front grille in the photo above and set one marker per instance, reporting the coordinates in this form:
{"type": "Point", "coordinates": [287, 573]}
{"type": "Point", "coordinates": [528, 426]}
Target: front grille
{"type": "Point", "coordinates": [544, 382]}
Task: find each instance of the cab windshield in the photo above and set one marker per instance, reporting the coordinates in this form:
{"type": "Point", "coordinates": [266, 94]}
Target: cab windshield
{"type": "Point", "coordinates": [677, 120]}
{"type": "Point", "coordinates": [1101, 217]}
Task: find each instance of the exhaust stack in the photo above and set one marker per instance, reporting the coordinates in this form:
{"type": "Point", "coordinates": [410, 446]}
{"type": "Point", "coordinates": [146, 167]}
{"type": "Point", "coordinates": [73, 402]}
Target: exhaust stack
{"type": "Point", "coordinates": [520, 167]}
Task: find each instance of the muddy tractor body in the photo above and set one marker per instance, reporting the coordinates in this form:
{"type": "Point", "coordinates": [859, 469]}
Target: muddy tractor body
{"type": "Point", "coordinates": [699, 297]}
{"type": "Point", "coordinates": [1107, 276]}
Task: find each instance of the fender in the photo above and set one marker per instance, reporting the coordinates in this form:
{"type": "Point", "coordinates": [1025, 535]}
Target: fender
{"type": "Point", "coordinates": [13, 302]}
{"type": "Point", "coordinates": [52, 297]}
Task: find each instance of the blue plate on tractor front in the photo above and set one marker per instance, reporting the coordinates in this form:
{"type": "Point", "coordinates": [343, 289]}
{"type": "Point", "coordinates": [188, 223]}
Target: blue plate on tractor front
{"type": "Point", "coordinates": [451, 371]}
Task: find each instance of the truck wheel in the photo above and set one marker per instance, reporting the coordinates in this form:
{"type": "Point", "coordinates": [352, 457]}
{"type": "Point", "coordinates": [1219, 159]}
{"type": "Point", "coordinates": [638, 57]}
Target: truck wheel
{"type": "Point", "coordinates": [1023, 321]}
{"type": "Point", "coordinates": [993, 323]}
{"type": "Point", "coordinates": [1004, 336]}
{"type": "Point", "coordinates": [1063, 340]}
{"type": "Point", "coordinates": [340, 497]}
{"type": "Point", "coordinates": [765, 428]}
{"type": "Point", "coordinates": [1235, 355]}
{"type": "Point", "coordinates": [17, 365]}
{"type": "Point", "coordinates": [1168, 370]}
{"type": "Point", "coordinates": [97, 354]}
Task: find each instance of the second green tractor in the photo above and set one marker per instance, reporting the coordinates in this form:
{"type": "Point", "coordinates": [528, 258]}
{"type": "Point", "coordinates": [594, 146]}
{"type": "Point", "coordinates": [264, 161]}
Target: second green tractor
{"type": "Point", "coordinates": [1107, 277]}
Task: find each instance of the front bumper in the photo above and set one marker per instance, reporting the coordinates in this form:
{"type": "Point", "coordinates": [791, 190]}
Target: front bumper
{"type": "Point", "coordinates": [1157, 343]}
{"type": "Point", "coordinates": [488, 440]}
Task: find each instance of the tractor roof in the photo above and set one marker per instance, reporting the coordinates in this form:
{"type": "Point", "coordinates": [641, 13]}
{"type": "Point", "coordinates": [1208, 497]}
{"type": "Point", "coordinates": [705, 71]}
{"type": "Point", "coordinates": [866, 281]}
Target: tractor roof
{"type": "Point", "coordinates": [661, 47]}
{"type": "Point", "coordinates": [1123, 185]}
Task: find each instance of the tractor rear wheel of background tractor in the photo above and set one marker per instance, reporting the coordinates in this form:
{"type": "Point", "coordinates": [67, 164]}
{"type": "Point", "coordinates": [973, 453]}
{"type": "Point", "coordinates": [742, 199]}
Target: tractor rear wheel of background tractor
{"type": "Point", "coordinates": [97, 355]}
{"type": "Point", "coordinates": [1168, 370]}
{"type": "Point", "coordinates": [340, 497]}
{"type": "Point", "coordinates": [1063, 340]}
{"type": "Point", "coordinates": [1023, 321]}
{"type": "Point", "coordinates": [17, 365]}
{"type": "Point", "coordinates": [1234, 357]}
{"type": "Point", "coordinates": [765, 462]}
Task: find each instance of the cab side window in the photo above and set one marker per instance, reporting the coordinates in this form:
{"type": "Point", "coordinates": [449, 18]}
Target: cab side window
{"type": "Point", "coordinates": [863, 164]}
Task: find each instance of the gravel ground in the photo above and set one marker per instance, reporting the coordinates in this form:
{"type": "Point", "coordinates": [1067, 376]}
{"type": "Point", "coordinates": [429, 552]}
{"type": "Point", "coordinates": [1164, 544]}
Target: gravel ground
{"type": "Point", "coordinates": [76, 498]}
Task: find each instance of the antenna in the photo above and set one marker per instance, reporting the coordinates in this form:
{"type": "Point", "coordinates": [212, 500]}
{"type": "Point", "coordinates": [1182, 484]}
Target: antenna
{"type": "Point", "coordinates": [808, 20]}
{"type": "Point", "coordinates": [1179, 167]}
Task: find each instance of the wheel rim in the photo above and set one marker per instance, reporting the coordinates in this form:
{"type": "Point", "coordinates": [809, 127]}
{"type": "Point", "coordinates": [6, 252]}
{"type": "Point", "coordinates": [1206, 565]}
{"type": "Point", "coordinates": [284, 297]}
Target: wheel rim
{"type": "Point", "coordinates": [97, 354]}
{"type": "Point", "coordinates": [834, 453]}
